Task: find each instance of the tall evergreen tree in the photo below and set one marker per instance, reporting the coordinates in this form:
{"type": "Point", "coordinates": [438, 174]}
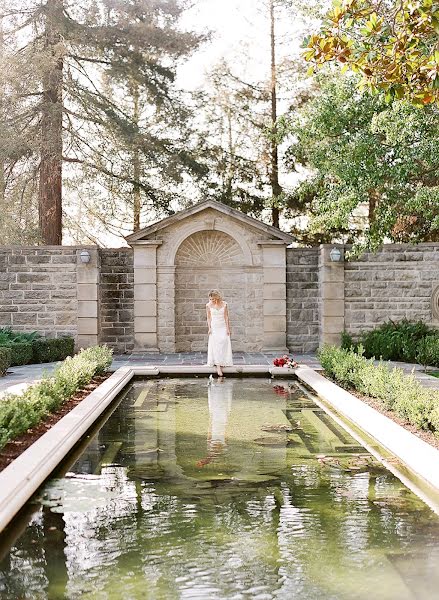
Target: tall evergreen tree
{"type": "Point", "coordinates": [235, 148]}
{"type": "Point", "coordinates": [242, 108]}
{"type": "Point", "coordinates": [105, 72]}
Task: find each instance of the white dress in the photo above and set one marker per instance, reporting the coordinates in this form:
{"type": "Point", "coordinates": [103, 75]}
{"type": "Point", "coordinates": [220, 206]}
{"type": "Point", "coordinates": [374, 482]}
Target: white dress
{"type": "Point", "coordinates": [220, 404]}
{"type": "Point", "coordinates": [219, 349]}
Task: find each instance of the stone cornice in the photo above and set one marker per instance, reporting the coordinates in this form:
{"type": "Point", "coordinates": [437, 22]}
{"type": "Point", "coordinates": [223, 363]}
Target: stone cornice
{"type": "Point", "coordinates": [219, 207]}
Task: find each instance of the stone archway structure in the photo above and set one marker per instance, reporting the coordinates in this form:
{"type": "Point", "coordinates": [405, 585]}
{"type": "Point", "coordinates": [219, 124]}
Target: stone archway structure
{"type": "Point", "coordinates": [213, 259]}
{"type": "Point", "coordinates": [177, 261]}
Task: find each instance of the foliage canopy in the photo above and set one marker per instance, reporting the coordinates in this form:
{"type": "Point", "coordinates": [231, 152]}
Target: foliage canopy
{"type": "Point", "coordinates": [374, 167]}
{"type": "Point", "coordinates": [394, 45]}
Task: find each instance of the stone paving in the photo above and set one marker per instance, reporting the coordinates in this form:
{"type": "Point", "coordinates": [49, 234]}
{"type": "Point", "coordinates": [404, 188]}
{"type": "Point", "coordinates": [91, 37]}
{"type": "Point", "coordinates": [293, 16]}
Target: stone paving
{"type": "Point", "coordinates": [18, 378]}
{"type": "Point", "coordinates": [200, 358]}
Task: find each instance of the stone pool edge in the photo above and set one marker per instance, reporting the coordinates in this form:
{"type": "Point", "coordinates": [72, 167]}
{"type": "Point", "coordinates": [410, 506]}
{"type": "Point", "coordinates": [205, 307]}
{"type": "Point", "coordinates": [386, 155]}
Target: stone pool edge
{"type": "Point", "coordinates": [417, 455]}
{"type": "Point", "coordinates": [21, 479]}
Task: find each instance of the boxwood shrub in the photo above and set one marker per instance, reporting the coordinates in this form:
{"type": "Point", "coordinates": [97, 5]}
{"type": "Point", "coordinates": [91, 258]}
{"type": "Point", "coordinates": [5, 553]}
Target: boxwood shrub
{"type": "Point", "coordinates": [35, 349]}
{"type": "Point", "coordinates": [405, 341]}
{"type": "Point", "coordinates": [21, 353]}
{"type": "Point", "coordinates": [51, 350]}
{"type": "Point", "coordinates": [398, 392]}
{"type": "Point", "coordinates": [5, 360]}
{"type": "Point", "coordinates": [20, 412]}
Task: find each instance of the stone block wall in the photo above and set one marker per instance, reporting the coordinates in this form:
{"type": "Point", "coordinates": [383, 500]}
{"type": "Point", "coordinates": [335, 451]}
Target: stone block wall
{"type": "Point", "coordinates": [38, 289]}
{"type": "Point", "coordinates": [302, 299]}
{"type": "Point", "coordinates": [395, 283]}
{"type": "Point", "coordinates": [49, 289]}
{"type": "Point", "coordinates": [117, 299]}
{"type": "Point", "coordinates": [241, 288]}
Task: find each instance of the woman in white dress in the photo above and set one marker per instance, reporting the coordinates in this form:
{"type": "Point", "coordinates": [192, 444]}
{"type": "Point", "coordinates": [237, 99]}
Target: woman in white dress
{"type": "Point", "coordinates": [219, 349]}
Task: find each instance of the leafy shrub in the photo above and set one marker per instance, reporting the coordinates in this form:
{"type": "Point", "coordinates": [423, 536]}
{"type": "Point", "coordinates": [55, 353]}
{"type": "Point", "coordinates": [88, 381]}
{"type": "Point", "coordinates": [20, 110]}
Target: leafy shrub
{"type": "Point", "coordinates": [8, 336]}
{"type": "Point", "coordinates": [398, 392]}
{"type": "Point", "coordinates": [427, 351]}
{"type": "Point", "coordinates": [347, 341]}
{"type": "Point", "coordinates": [20, 412]}
{"type": "Point", "coordinates": [21, 353]}
{"type": "Point", "coordinates": [28, 348]}
{"type": "Point", "coordinates": [5, 360]}
{"type": "Point", "coordinates": [101, 355]}
{"type": "Point", "coordinates": [51, 350]}
{"type": "Point", "coordinates": [393, 340]}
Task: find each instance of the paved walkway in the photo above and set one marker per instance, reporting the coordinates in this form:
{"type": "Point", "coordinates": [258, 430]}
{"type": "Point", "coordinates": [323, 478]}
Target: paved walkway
{"type": "Point", "coordinates": [18, 378]}
{"type": "Point", "coordinates": [200, 358]}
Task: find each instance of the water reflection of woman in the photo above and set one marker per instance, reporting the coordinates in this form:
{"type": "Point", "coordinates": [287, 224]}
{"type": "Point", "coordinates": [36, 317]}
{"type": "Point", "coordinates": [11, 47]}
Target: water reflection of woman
{"type": "Point", "coordinates": [219, 395]}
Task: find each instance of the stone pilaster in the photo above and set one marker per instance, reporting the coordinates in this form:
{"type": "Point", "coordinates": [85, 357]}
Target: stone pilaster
{"type": "Point", "coordinates": [275, 296]}
{"type": "Point", "coordinates": [166, 308]}
{"type": "Point", "coordinates": [145, 295]}
{"type": "Point", "coordinates": [87, 292]}
{"type": "Point", "coordinates": [332, 296]}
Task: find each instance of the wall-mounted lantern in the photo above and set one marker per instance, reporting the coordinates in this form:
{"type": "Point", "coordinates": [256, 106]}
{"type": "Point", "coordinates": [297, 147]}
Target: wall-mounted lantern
{"type": "Point", "coordinates": [84, 256]}
{"type": "Point", "coordinates": [335, 254]}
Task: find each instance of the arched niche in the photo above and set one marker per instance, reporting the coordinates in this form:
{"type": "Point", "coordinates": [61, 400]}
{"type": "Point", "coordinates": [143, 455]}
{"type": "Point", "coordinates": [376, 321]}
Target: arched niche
{"type": "Point", "coordinates": [189, 230]}
{"type": "Point", "coordinates": [209, 259]}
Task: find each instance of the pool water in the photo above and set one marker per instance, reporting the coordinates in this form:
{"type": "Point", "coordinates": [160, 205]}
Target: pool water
{"type": "Point", "coordinates": [209, 490]}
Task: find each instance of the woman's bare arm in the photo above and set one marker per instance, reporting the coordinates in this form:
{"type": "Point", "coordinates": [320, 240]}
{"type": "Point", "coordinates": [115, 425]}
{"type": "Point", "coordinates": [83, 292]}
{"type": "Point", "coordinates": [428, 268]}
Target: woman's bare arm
{"type": "Point", "coordinates": [208, 319]}
{"type": "Point", "coordinates": [226, 318]}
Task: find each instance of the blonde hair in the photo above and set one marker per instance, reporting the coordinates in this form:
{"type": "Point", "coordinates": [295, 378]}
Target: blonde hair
{"type": "Point", "coordinates": [215, 294]}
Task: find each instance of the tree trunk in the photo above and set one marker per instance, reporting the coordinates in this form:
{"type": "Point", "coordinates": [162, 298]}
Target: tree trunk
{"type": "Point", "coordinates": [136, 165]}
{"type": "Point", "coordinates": [276, 189]}
{"type": "Point", "coordinates": [2, 116]}
{"type": "Point", "coordinates": [373, 200]}
{"type": "Point", "coordinates": [230, 174]}
{"type": "Point", "coordinates": [50, 185]}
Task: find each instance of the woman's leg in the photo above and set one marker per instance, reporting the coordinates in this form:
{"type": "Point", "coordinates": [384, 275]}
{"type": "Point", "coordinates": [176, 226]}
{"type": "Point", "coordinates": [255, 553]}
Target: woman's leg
{"type": "Point", "coordinates": [219, 370]}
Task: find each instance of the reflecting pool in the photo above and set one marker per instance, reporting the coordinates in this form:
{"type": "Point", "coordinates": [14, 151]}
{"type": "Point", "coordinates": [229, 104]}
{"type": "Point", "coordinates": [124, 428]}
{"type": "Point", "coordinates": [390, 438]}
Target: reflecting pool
{"type": "Point", "coordinates": [241, 489]}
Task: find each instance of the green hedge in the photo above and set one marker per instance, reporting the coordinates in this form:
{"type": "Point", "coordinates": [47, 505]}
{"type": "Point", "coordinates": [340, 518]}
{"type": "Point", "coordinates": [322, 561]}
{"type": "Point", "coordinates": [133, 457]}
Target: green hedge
{"type": "Point", "coordinates": [18, 413]}
{"type": "Point", "coordinates": [39, 350]}
{"type": "Point", "coordinates": [5, 360]}
{"type": "Point", "coordinates": [398, 392]}
{"type": "Point", "coordinates": [21, 353]}
{"type": "Point", "coordinates": [51, 350]}
{"type": "Point", "coordinates": [405, 341]}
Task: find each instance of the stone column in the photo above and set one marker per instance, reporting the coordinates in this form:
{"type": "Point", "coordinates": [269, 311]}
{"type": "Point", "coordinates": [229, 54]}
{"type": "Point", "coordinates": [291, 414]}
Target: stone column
{"type": "Point", "coordinates": [145, 295]}
{"type": "Point", "coordinates": [331, 284]}
{"type": "Point", "coordinates": [87, 292]}
{"type": "Point", "coordinates": [275, 295]}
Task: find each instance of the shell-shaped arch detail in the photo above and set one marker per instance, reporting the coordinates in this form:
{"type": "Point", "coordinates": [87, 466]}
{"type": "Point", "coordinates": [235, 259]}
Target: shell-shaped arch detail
{"type": "Point", "coordinates": [209, 248]}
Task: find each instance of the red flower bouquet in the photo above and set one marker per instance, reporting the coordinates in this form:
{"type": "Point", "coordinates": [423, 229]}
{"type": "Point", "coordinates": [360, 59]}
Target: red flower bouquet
{"type": "Point", "coordinates": [285, 361]}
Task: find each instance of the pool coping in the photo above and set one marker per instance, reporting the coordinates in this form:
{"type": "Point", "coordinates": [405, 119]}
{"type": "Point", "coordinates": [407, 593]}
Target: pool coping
{"type": "Point", "coordinates": [21, 479]}
{"type": "Point", "coordinates": [418, 456]}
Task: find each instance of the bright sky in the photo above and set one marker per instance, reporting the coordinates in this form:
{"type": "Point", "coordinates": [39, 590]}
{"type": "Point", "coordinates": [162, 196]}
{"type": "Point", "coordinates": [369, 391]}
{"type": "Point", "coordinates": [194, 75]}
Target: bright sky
{"type": "Point", "coordinates": [230, 26]}
{"type": "Point", "coordinates": [238, 28]}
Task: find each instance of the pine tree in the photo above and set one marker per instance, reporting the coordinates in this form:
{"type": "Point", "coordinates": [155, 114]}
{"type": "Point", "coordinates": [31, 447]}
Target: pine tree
{"type": "Point", "coordinates": [243, 114]}
{"type": "Point", "coordinates": [88, 57]}
{"type": "Point", "coordinates": [233, 141]}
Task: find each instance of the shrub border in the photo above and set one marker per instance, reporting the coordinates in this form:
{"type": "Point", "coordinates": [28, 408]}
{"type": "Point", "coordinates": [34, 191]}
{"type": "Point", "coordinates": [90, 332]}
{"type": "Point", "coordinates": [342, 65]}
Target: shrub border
{"type": "Point", "coordinates": [418, 456]}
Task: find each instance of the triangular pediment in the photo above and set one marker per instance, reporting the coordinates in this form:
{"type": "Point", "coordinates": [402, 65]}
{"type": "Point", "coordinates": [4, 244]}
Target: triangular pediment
{"type": "Point", "coordinates": [272, 233]}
